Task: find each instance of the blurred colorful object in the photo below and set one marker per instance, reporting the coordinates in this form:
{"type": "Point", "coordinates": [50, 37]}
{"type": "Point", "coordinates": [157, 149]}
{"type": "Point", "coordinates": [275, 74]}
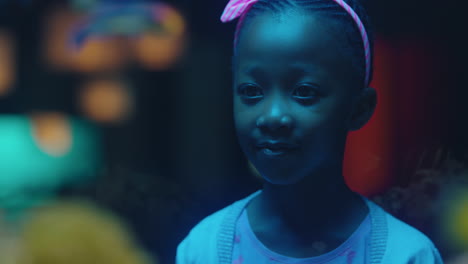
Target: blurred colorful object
{"type": "Point", "coordinates": [435, 201]}
{"type": "Point", "coordinates": [110, 35]}
{"type": "Point", "coordinates": [460, 259]}
{"type": "Point", "coordinates": [9, 243]}
{"type": "Point", "coordinates": [7, 63]}
{"type": "Point", "coordinates": [106, 100]}
{"type": "Point", "coordinates": [74, 233]}
{"type": "Point", "coordinates": [410, 114]}
{"type": "Point", "coordinates": [455, 217]}
{"type": "Point", "coordinates": [84, 4]}
{"type": "Point", "coordinates": [52, 133]}
{"type": "Point", "coordinates": [369, 161]}
{"type": "Point", "coordinates": [159, 52]}
{"type": "Point", "coordinates": [95, 55]}
{"type": "Point", "coordinates": [114, 20]}
{"type": "Point", "coordinates": [38, 154]}
{"type": "Point", "coordinates": [160, 48]}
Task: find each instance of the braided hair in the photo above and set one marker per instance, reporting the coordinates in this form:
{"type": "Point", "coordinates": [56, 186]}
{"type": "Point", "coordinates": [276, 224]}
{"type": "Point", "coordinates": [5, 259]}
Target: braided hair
{"type": "Point", "coordinates": [330, 9]}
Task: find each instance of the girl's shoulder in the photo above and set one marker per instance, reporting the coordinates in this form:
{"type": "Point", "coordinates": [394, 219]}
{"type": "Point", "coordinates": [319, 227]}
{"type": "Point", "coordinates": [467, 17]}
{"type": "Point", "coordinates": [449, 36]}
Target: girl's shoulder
{"type": "Point", "coordinates": [403, 243]}
{"type": "Point", "coordinates": [409, 242]}
{"type": "Point", "coordinates": [225, 216]}
{"type": "Point", "coordinates": [201, 244]}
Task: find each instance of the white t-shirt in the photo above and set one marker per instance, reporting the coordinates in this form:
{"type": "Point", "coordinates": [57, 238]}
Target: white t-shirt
{"type": "Point", "coordinates": [249, 250]}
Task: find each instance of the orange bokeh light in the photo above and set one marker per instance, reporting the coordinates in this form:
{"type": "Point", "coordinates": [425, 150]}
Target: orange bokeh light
{"type": "Point", "coordinates": [100, 55]}
{"type": "Point", "coordinates": [7, 63]}
{"type": "Point", "coordinates": [158, 52]}
{"type": "Point", "coordinates": [101, 52]}
{"type": "Point", "coordinates": [95, 54]}
{"type": "Point", "coordinates": [52, 133]}
{"type": "Point", "coordinates": [106, 100]}
{"type": "Point", "coordinates": [173, 22]}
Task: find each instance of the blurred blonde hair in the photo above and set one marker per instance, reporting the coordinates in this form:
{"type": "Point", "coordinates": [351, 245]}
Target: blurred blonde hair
{"type": "Point", "coordinates": [76, 233]}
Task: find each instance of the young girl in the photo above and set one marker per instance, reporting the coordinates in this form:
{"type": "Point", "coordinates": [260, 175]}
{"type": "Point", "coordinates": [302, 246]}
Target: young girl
{"type": "Point", "coordinates": [301, 72]}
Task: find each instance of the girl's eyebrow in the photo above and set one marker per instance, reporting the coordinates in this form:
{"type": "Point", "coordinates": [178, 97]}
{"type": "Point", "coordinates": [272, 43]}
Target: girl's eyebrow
{"type": "Point", "coordinates": [251, 70]}
{"type": "Point", "coordinates": [296, 68]}
{"type": "Point", "coordinates": [256, 73]}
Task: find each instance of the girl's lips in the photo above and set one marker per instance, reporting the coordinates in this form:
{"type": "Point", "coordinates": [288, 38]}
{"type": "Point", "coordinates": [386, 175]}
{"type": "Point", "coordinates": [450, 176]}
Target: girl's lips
{"type": "Point", "coordinates": [276, 145]}
{"type": "Point", "coordinates": [273, 152]}
{"type": "Point", "coordinates": [275, 149]}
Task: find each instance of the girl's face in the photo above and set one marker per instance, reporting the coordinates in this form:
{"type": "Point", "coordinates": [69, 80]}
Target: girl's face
{"type": "Point", "coordinates": [293, 95]}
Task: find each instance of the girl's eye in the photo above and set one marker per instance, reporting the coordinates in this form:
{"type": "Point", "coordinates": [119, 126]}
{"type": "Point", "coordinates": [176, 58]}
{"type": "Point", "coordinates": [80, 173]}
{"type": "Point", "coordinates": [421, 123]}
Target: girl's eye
{"type": "Point", "coordinates": [250, 91]}
{"type": "Point", "coordinates": [305, 92]}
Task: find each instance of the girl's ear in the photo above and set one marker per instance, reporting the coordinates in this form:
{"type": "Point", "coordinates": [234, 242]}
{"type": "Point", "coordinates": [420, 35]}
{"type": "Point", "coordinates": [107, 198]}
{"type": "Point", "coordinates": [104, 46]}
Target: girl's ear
{"type": "Point", "coordinates": [363, 109]}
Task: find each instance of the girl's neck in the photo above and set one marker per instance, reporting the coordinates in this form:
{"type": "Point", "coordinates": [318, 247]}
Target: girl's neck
{"type": "Point", "coordinates": [308, 208]}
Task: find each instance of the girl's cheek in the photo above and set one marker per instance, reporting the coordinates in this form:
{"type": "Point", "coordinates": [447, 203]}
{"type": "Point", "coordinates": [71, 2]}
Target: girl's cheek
{"type": "Point", "coordinates": [240, 123]}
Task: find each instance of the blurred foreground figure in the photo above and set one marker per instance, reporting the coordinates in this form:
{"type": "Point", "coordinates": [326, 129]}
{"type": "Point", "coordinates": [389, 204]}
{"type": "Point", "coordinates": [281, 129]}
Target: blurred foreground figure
{"type": "Point", "coordinates": [40, 155]}
{"type": "Point", "coordinates": [71, 233]}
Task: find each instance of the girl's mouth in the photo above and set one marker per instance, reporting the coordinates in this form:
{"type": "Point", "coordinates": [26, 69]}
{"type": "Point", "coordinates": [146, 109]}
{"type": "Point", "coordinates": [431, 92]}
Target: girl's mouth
{"type": "Point", "coordinates": [273, 152]}
{"type": "Point", "coordinates": [274, 148]}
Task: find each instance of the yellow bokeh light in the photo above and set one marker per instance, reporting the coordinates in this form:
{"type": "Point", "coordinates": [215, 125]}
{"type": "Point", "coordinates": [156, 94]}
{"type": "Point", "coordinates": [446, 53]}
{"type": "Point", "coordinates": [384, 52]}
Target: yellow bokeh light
{"type": "Point", "coordinates": [106, 100]}
{"type": "Point", "coordinates": [458, 227]}
{"type": "Point", "coordinates": [9, 245]}
{"type": "Point", "coordinates": [52, 133]}
{"type": "Point", "coordinates": [7, 63]}
{"type": "Point", "coordinates": [455, 217]}
{"type": "Point", "coordinates": [78, 233]}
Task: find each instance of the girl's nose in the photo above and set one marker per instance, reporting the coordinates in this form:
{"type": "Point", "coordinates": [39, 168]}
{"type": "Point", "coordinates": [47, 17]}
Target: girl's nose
{"type": "Point", "coordinates": [276, 117]}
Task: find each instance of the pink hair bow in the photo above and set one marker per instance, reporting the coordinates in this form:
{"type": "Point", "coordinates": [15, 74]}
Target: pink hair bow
{"type": "Point", "coordinates": [235, 8]}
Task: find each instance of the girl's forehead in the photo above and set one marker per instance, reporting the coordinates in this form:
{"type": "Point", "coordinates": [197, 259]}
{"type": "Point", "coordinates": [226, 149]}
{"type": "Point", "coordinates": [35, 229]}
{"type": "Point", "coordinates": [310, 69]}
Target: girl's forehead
{"type": "Point", "coordinates": [278, 45]}
{"type": "Point", "coordinates": [290, 35]}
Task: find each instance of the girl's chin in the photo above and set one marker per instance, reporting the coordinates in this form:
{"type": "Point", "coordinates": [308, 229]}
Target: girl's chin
{"type": "Point", "coordinates": [277, 175]}
{"type": "Point", "coordinates": [282, 180]}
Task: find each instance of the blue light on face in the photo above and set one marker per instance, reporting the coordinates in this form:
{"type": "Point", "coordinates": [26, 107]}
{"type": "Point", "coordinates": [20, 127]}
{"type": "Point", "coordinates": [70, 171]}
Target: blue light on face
{"type": "Point", "coordinates": [291, 99]}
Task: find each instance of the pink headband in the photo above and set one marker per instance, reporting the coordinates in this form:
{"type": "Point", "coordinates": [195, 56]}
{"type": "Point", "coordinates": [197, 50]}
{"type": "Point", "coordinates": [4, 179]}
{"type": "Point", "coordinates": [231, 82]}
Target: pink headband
{"type": "Point", "coordinates": [236, 8]}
